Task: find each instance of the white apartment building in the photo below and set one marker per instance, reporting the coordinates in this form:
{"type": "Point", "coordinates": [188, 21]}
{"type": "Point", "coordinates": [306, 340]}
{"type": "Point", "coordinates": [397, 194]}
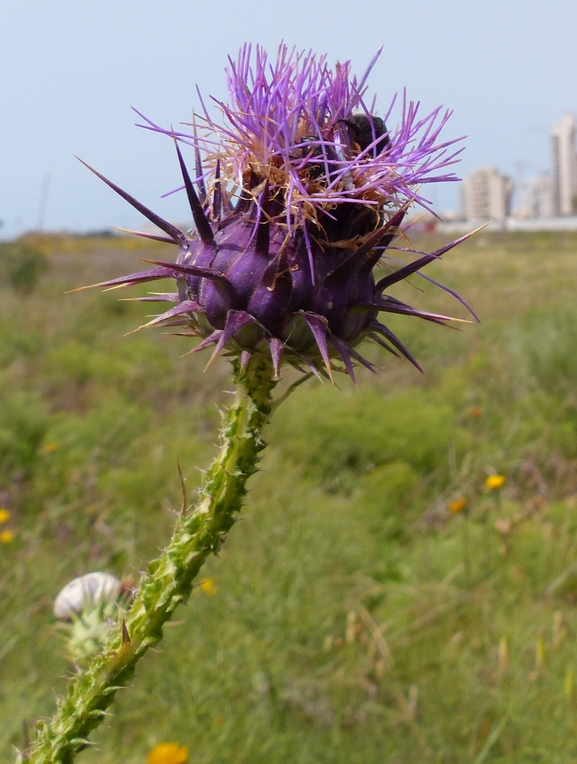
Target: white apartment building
{"type": "Point", "coordinates": [564, 187]}
{"type": "Point", "coordinates": [536, 198]}
{"type": "Point", "coordinates": [486, 195]}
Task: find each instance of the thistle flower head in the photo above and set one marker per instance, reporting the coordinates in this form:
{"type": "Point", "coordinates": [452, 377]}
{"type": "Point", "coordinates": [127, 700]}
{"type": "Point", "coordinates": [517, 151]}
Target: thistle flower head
{"type": "Point", "coordinates": [298, 190]}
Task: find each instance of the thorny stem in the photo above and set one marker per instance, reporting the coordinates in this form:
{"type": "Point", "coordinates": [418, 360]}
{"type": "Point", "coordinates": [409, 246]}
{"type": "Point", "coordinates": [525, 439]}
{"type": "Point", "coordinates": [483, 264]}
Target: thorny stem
{"type": "Point", "coordinates": [167, 582]}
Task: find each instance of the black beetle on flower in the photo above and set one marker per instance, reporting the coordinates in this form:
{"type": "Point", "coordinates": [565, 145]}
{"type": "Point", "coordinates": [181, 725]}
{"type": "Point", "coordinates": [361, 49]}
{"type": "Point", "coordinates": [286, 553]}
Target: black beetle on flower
{"type": "Point", "coordinates": [295, 200]}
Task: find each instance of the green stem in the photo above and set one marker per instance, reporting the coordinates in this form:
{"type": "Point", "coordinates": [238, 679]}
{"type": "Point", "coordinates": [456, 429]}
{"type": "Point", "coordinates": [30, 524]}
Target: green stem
{"type": "Point", "coordinates": [466, 547]}
{"type": "Point", "coordinates": [168, 580]}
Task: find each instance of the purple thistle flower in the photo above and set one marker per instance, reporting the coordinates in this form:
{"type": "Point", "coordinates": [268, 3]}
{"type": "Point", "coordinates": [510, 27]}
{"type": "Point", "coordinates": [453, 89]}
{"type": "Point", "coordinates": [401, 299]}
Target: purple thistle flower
{"type": "Point", "coordinates": [295, 199]}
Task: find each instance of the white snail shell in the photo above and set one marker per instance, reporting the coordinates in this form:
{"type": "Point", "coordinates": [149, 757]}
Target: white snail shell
{"type": "Point", "coordinates": [85, 590]}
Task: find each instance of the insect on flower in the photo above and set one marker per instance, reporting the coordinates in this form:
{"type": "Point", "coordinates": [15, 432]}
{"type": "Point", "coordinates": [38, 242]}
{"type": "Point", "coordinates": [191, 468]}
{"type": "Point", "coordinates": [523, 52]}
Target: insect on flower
{"type": "Point", "coordinates": [296, 195]}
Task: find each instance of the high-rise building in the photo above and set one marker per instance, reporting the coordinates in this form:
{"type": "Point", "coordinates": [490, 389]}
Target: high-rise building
{"type": "Point", "coordinates": [536, 198]}
{"type": "Point", "coordinates": [486, 195]}
{"type": "Point", "coordinates": [564, 166]}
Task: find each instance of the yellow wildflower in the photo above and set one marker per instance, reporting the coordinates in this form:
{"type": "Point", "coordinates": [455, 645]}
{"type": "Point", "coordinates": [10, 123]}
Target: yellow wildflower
{"type": "Point", "coordinates": [456, 506]}
{"type": "Point", "coordinates": [495, 481]}
{"type": "Point", "coordinates": [4, 515]}
{"type": "Point", "coordinates": [167, 753]}
{"type": "Point", "coordinates": [49, 448]}
{"type": "Point", "coordinates": [476, 412]}
{"type": "Point", "coordinates": [210, 587]}
{"type": "Point", "coordinates": [6, 537]}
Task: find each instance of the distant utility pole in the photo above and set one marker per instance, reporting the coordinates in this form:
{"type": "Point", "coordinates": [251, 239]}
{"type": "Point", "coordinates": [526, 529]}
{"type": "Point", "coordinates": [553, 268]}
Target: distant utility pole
{"type": "Point", "coordinates": [42, 204]}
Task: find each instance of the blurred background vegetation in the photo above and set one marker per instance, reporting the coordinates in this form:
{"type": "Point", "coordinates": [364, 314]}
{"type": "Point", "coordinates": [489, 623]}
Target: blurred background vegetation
{"type": "Point", "coordinates": [378, 602]}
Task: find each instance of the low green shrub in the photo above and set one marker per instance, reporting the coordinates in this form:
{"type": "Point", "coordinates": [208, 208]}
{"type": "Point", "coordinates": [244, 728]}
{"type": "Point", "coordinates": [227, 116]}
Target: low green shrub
{"type": "Point", "coordinates": [21, 266]}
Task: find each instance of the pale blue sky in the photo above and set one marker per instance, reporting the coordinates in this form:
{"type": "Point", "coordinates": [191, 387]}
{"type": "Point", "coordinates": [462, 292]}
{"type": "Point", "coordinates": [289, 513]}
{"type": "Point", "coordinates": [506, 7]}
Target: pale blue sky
{"type": "Point", "coordinates": [70, 70]}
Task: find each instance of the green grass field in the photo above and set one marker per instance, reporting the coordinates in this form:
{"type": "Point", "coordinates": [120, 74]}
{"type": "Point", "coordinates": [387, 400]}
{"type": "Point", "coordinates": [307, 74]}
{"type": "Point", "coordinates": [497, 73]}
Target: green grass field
{"type": "Point", "coordinates": [351, 617]}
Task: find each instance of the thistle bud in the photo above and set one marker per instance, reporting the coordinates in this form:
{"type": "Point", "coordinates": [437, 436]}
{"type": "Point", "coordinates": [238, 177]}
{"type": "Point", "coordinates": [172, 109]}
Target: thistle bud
{"type": "Point", "coordinates": [295, 200]}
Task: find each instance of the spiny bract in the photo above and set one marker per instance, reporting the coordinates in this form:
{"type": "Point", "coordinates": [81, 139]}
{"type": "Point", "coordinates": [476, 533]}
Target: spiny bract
{"type": "Point", "coordinates": [295, 199]}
